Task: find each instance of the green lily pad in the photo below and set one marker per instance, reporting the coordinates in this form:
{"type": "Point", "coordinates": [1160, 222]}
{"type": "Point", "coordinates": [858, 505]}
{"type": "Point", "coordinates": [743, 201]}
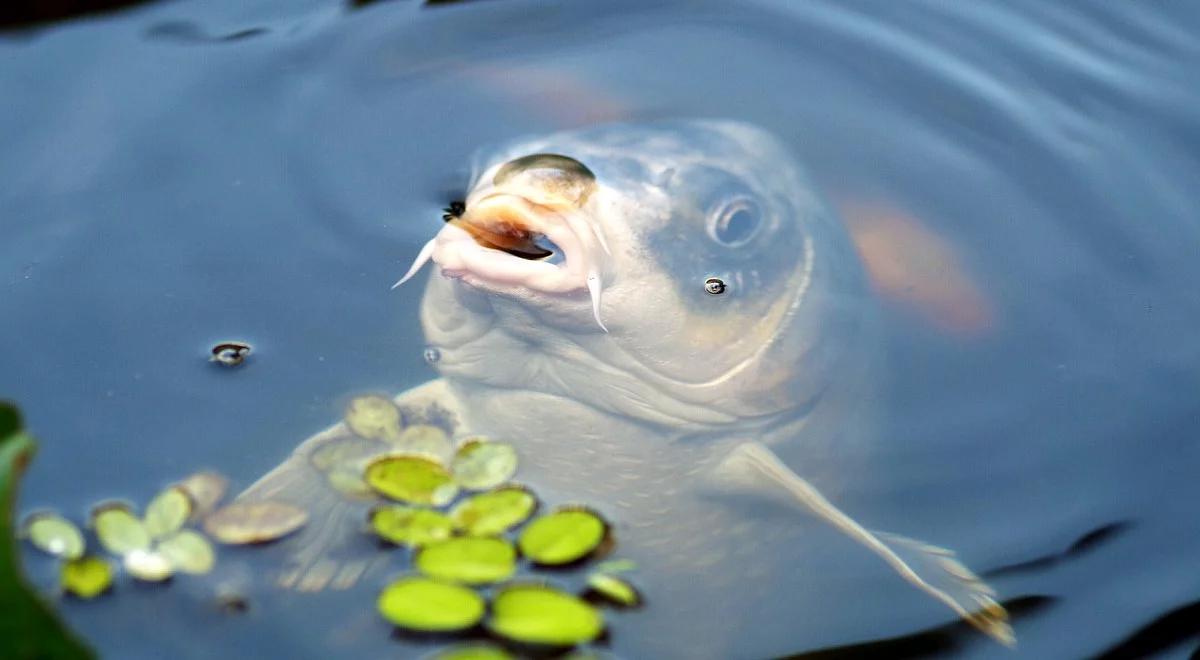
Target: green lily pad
{"type": "Point", "coordinates": [494, 512]}
{"type": "Point", "coordinates": [614, 589]}
{"type": "Point", "coordinates": [563, 536]}
{"type": "Point", "coordinates": [205, 490]}
{"type": "Point", "coordinates": [86, 577]}
{"type": "Point", "coordinates": [373, 417]}
{"type": "Point", "coordinates": [243, 523]}
{"type": "Point", "coordinates": [427, 605]}
{"type": "Point", "coordinates": [119, 531]}
{"type": "Point", "coordinates": [411, 478]}
{"type": "Point", "coordinates": [480, 464]}
{"type": "Point", "coordinates": [148, 565]}
{"type": "Point", "coordinates": [537, 614]}
{"type": "Point", "coordinates": [54, 535]}
{"type": "Point", "coordinates": [472, 652]}
{"type": "Point", "coordinates": [468, 559]}
{"type": "Point", "coordinates": [410, 526]}
{"type": "Point", "coordinates": [189, 552]}
{"type": "Point", "coordinates": [424, 439]}
{"type": "Point", "coordinates": [167, 512]}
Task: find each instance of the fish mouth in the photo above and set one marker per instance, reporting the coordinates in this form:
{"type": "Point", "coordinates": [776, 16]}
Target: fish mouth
{"type": "Point", "coordinates": [504, 241]}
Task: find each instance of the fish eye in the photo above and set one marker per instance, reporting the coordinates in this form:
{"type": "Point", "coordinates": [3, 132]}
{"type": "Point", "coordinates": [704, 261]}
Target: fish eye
{"type": "Point", "coordinates": [735, 222]}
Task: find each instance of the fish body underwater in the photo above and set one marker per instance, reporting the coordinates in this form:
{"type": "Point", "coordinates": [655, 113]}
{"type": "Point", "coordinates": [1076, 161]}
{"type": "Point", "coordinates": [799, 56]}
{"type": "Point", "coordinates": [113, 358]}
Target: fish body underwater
{"type": "Point", "coordinates": [669, 324]}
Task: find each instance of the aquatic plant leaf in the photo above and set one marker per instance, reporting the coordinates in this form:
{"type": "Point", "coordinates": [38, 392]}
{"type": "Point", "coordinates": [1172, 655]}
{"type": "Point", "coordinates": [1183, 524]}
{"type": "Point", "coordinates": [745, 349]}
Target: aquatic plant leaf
{"type": "Point", "coordinates": [619, 565]}
{"type": "Point", "coordinates": [167, 512]}
{"type": "Point", "coordinates": [373, 417]}
{"type": "Point", "coordinates": [119, 531]}
{"type": "Point", "coordinates": [563, 536]}
{"type": "Point", "coordinates": [424, 439]}
{"type": "Point", "coordinates": [427, 605]}
{"type": "Point", "coordinates": [494, 512]}
{"type": "Point", "coordinates": [189, 552]}
{"type": "Point", "coordinates": [54, 535]}
{"type": "Point", "coordinates": [538, 614]}
{"type": "Point", "coordinates": [147, 565]}
{"type": "Point", "coordinates": [410, 526]}
{"type": "Point", "coordinates": [473, 652]}
{"type": "Point", "coordinates": [86, 577]}
{"type": "Point", "coordinates": [468, 559]}
{"type": "Point", "coordinates": [411, 478]}
{"type": "Point", "coordinates": [480, 464]}
{"type": "Point", "coordinates": [205, 489]}
{"type": "Point", "coordinates": [349, 483]}
{"type": "Point", "coordinates": [241, 523]}
{"type": "Point", "coordinates": [614, 589]}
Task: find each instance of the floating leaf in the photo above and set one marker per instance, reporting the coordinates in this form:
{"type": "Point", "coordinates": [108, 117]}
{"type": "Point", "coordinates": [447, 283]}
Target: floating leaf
{"type": "Point", "coordinates": [428, 605]}
{"type": "Point", "coordinates": [616, 566]}
{"type": "Point", "coordinates": [494, 512]}
{"type": "Point", "coordinates": [86, 577]}
{"type": "Point", "coordinates": [55, 535]}
{"type": "Point", "coordinates": [468, 559]}
{"type": "Point", "coordinates": [119, 531]}
{"type": "Point", "coordinates": [148, 565]}
{"type": "Point", "coordinates": [344, 452]}
{"type": "Point", "coordinates": [205, 489]}
{"type": "Point", "coordinates": [167, 512]}
{"type": "Point", "coordinates": [189, 552]}
{"type": "Point", "coordinates": [254, 522]}
{"type": "Point", "coordinates": [373, 417]}
{"type": "Point", "coordinates": [473, 652]}
{"type": "Point", "coordinates": [614, 589]}
{"type": "Point", "coordinates": [424, 439]}
{"type": "Point", "coordinates": [562, 537]}
{"type": "Point", "coordinates": [536, 614]}
{"type": "Point", "coordinates": [480, 464]}
{"type": "Point", "coordinates": [410, 526]}
{"type": "Point", "coordinates": [411, 478]}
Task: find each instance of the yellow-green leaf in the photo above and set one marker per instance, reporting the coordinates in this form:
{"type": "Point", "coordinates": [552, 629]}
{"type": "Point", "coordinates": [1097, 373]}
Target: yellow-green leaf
{"type": "Point", "coordinates": [480, 464]}
{"type": "Point", "coordinates": [148, 565]}
{"type": "Point", "coordinates": [119, 531]}
{"type": "Point", "coordinates": [427, 605]}
{"type": "Point", "coordinates": [373, 417]}
{"type": "Point", "coordinates": [494, 512]}
{"type": "Point", "coordinates": [254, 522]}
{"type": "Point", "coordinates": [614, 589]}
{"type": "Point", "coordinates": [86, 577]}
{"type": "Point", "coordinates": [55, 535]}
{"type": "Point", "coordinates": [167, 512]}
{"type": "Point", "coordinates": [536, 614]}
{"type": "Point", "coordinates": [473, 652]}
{"type": "Point", "coordinates": [469, 560]}
{"type": "Point", "coordinates": [410, 526]}
{"type": "Point", "coordinates": [411, 478]}
{"type": "Point", "coordinates": [562, 537]}
{"type": "Point", "coordinates": [189, 552]}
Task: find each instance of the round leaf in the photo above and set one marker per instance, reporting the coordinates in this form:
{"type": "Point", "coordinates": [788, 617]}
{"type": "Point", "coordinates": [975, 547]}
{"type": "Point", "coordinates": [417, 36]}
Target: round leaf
{"type": "Point", "coordinates": [494, 512]}
{"type": "Point", "coordinates": [86, 577]}
{"type": "Point", "coordinates": [373, 417]}
{"type": "Point", "coordinates": [148, 565]}
{"type": "Point", "coordinates": [189, 552]}
{"type": "Point", "coordinates": [409, 526]}
{"type": "Point", "coordinates": [614, 589]}
{"type": "Point", "coordinates": [55, 535]}
{"type": "Point", "coordinates": [480, 464]}
{"type": "Point", "coordinates": [254, 522]}
{"type": "Point", "coordinates": [411, 478]}
{"type": "Point", "coordinates": [473, 652]}
{"type": "Point", "coordinates": [468, 559]}
{"type": "Point", "coordinates": [119, 531]}
{"type": "Point", "coordinates": [562, 537]}
{"type": "Point", "coordinates": [205, 489]}
{"type": "Point", "coordinates": [428, 605]}
{"type": "Point", "coordinates": [424, 439]}
{"type": "Point", "coordinates": [535, 614]}
{"type": "Point", "coordinates": [167, 512]}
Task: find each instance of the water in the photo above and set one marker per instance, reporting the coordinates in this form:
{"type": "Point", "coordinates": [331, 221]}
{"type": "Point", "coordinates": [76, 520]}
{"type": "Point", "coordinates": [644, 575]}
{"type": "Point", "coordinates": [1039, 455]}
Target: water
{"type": "Point", "coordinates": [193, 172]}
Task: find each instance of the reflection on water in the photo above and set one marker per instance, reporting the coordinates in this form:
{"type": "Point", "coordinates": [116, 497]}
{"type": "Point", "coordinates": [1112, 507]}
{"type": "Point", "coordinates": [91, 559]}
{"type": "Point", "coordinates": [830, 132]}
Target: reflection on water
{"type": "Point", "coordinates": [183, 173]}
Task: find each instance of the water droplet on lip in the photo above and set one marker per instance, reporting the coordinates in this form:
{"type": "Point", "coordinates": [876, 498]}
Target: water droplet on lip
{"type": "Point", "coordinates": [432, 355]}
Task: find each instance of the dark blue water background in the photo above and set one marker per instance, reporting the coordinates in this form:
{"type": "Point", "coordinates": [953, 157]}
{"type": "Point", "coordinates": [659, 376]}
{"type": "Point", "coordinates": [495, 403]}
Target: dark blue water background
{"type": "Point", "coordinates": [191, 171]}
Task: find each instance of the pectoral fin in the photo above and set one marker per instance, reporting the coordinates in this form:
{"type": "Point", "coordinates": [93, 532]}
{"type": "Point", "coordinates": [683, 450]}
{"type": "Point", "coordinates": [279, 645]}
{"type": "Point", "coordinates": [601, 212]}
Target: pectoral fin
{"type": "Point", "coordinates": [753, 468]}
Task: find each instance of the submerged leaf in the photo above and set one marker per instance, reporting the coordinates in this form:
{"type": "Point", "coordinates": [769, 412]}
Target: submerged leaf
{"type": "Point", "coordinates": [167, 512]}
{"type": "Point", "coordinates": [616, 566]}
{"type": "Point", "coordinates": [473, 652]}
{"type": "Point", "coordinates": [86, 577]}
{"type": "Point", "coordinates": [373, 417]}
{"type": "Point", "coordinates": [494, 512]}
{"type": "Point", "coordinates": [205, 489]}
{"type": "Point", "coordinates": [424, 439]}
{"type": "Point", "coordinates": [536, 614]}
{"type": "Point", "coordinates": [148, 565]}
{"type": "Point", "coordinates": [254, 522]}
{"type": "Point", "coordinates": [55, 535]}
{"type": "Point", "coordinates": [119, 531]}
{"type": "Point", "coordinates": [480, 464]}
{"type": "Point", "coordinates": [562, 537]}
{"type": "Point", "coordinates": [189, 552]}
{"type": "Point", "coordinates": [411, 478]}
{"type": "Point", "coordinates": [422, 604]}
{"type": "Point", "coordinates": [614, 589]}
{"type": "Point", "coordinates": [469, 560]}
{"type": "Point", "coordinates": [410, 526]}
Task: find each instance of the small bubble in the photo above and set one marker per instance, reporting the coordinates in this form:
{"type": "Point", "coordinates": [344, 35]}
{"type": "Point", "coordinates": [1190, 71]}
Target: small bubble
{"type": "Point", "coordinates": [714, 285]}
{"type": "Point", "coordinates": [432, 355]}
{"type": "Point", "coordinates": [230, 353]}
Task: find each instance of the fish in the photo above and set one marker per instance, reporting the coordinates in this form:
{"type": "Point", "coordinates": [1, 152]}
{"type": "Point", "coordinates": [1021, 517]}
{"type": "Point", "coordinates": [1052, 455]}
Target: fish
{"type": "Point", "coordinates": [667, 321]}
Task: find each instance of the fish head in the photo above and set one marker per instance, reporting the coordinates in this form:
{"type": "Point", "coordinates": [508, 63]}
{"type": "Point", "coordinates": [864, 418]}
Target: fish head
{"type": "Point", "coordinates": [684, 274]}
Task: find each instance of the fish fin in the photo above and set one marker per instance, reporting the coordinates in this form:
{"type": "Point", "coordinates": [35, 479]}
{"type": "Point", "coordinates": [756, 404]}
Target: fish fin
{"type": "Point", "coordinates": [931, 569]}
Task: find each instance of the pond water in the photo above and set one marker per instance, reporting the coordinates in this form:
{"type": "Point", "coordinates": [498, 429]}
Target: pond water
{"type": "Point", "coordinates": [191, 172]}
